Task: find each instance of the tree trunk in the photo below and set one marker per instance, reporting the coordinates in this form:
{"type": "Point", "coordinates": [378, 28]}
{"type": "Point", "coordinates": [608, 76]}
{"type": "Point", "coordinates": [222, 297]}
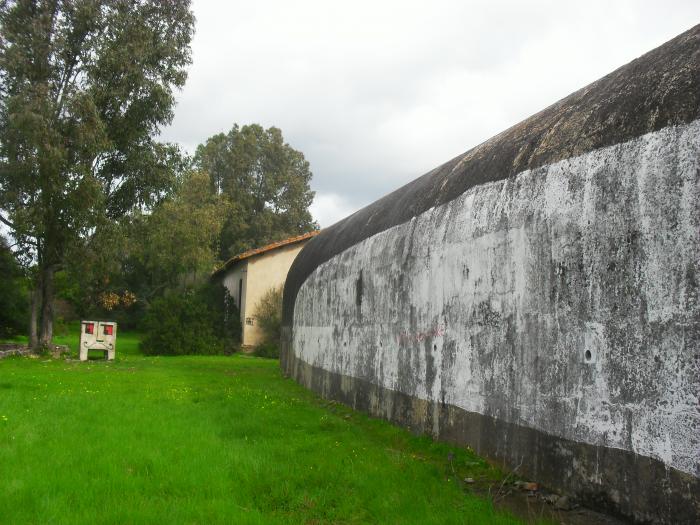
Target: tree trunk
{"type": "Point", "coordinates": [46, 335]}
{"type": "Point", "coordinates": [34, 315]}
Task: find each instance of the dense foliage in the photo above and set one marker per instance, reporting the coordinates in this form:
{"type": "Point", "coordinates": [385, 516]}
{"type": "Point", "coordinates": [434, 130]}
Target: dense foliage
{"type": "Point", "coordinates": [145, 255]}
{"type": "Point", "coordinates": [175, 243]}
{"type": "Point", "coordinates": [179, 324]}
{"type": "Point", "coordinates": [193, 322]}
{"type": "Point", "coordinates": [172, 249]}
{"type": "Point", "coordinates": [13, 294]}
{"type": "Point", "coordinates": [85, 87]}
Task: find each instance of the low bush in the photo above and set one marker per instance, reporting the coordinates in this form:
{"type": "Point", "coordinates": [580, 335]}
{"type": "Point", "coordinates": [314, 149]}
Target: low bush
{"type": "Point", "coordinates": [179, 324]}
{"type": "Point", "coordinates": [270, 350]}
{"type": "Point", "coordinates": [225, 315]}
{"type": "Point", "coordinates": [268, 314]}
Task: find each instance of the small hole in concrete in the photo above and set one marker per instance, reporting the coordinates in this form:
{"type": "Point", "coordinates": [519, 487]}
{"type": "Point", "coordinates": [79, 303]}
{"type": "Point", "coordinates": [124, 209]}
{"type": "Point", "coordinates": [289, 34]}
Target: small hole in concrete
{"type": "Point", "coordinates": [345, 343]}
{"type": "Point", "coordinates": [588, 355]}
{"type": "Point", "coordinates": [434, 347]}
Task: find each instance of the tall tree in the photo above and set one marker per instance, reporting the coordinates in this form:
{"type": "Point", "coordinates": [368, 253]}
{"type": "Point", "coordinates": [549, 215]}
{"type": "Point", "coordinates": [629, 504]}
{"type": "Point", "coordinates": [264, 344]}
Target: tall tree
{"type": "Point", "coordinates": [85, 85]}
{"type": "Point", "coordinates": [266, 182]}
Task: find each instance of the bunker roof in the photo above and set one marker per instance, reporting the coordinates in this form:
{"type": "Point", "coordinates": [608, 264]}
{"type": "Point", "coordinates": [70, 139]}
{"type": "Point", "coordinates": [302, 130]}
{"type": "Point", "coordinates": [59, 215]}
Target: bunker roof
{"type": "Point", "coordinates": [656, 90]}
{"type": "Point", "coordinates": [264, 249]}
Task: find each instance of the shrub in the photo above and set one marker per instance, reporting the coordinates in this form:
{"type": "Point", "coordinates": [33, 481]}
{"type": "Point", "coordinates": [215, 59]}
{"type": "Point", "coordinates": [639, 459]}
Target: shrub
{"type": "Point", "coordinates": [179, 324]}
{"type": "Point", "coordinates": [271, 350]}
{"type": "Point", "coordinates": [268, 314]}
{"type": "Point", "coordinates": [225, 315]}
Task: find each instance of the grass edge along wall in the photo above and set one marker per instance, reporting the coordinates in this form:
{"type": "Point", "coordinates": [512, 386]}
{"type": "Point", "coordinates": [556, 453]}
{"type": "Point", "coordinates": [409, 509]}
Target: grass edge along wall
{"type": "Point", "coordinates": [535, 297]}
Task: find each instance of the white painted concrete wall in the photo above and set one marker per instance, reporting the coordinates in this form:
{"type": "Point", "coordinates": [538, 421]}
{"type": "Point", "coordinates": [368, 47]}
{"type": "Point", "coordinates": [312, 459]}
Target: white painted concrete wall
{"type": "Point", "coordinates": [492, 301]}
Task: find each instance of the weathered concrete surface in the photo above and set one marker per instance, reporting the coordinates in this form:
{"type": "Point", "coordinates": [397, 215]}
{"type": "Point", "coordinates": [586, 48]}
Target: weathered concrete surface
{"type": "Point", "coordinates": [536, 298]}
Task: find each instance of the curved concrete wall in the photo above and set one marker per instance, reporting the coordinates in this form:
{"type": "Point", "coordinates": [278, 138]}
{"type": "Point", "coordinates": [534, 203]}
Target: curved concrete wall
{"type": "Point", "coordinates": [536, 298]}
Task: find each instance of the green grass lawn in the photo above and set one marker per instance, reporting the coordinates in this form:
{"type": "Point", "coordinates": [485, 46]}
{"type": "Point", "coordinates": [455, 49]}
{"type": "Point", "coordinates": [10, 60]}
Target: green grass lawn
{"type": "Point", "coordinates": [211, 440]}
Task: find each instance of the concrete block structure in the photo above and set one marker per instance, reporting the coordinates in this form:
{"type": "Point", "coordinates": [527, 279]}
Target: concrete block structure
{"type": "Point", "coordinates": [98, 335]}
{"type": "Point", "coordinates": [535, 298]}
{"type": "Point", "coordinates": [249, 275]}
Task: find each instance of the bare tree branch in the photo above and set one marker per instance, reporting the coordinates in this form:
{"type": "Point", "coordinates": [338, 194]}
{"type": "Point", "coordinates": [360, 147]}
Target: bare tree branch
{"type": "Point", "coordinates": [7, 222]}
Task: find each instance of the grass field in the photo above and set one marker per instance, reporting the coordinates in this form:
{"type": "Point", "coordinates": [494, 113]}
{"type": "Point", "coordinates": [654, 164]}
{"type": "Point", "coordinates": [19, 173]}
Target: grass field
{"type": "Point", "coordinates": [211, 440]}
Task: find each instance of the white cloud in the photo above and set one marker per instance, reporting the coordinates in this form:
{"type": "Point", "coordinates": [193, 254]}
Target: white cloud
{"type": "Point", "coordinates": [377, 93]}
{"type": "Point", "coordinates": [329, 208]}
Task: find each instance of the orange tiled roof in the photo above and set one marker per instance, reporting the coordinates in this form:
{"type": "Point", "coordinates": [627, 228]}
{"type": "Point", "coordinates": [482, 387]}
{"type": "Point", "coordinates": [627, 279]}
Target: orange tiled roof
{"type": "Point", "coordinates": [267, 248]}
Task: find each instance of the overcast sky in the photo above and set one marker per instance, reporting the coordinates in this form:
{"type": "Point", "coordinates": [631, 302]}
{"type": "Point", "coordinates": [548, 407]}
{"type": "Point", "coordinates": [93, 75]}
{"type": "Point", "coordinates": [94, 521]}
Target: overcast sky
{"type": "Point", "coordinates": [376, 93]}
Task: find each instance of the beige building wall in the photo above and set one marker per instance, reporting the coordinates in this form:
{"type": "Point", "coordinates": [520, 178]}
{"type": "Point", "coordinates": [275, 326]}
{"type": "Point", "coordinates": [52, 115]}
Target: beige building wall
{"type": "Point", "coordinates": [255, 276]}
{"type": "Point", "coordinates": [265, 271]}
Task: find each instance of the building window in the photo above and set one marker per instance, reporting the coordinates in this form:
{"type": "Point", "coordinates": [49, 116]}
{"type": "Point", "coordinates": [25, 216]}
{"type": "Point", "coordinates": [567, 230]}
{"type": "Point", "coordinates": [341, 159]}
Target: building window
{"type": "Point", "coordinates": [249, 320]}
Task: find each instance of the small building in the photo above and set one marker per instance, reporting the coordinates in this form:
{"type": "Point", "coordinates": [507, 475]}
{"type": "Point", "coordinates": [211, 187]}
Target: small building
{"type": "Point", "coordinates": [249, 275]}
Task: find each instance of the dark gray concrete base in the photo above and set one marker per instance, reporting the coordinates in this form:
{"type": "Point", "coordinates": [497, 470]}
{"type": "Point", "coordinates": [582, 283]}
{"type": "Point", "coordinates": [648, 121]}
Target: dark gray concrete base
{"type": "Point", "coordinates": [614, 480]}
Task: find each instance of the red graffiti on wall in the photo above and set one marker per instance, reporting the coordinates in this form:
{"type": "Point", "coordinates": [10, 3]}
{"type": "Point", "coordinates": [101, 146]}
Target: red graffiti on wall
{"type": "Point", "coordinates": [410, 337]}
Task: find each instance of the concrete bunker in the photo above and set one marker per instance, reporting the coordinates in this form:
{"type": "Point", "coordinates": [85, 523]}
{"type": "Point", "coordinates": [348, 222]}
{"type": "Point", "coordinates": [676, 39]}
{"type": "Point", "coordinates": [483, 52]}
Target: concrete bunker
{"type": "Point", "coordinates": [535, 298]}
